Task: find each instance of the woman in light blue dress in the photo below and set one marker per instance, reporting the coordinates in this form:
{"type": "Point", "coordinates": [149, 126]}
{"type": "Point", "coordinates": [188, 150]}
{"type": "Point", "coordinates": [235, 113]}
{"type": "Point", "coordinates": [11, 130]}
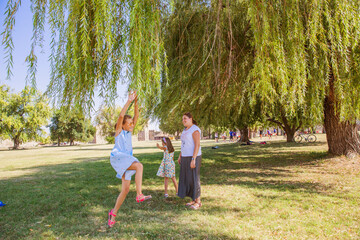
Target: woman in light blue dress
{"type": "Point", "coordinates": [122, 159]}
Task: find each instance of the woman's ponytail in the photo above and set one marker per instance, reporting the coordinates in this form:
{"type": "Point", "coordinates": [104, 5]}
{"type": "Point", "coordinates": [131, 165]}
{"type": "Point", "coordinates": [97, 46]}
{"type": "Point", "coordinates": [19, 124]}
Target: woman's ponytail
{"type": "Point", "coordinates": [189, 115]}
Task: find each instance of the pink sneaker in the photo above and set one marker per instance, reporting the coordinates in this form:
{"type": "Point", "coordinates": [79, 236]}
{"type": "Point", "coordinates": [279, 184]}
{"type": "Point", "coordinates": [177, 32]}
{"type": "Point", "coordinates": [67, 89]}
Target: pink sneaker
{"type": "Point", "coordinates": [142, 198]}
{"type": "Point", "coordinates": [111, 223]}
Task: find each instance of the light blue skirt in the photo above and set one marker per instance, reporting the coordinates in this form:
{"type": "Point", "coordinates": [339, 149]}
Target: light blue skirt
{"type": "Point", "coordinates": [121, 162]}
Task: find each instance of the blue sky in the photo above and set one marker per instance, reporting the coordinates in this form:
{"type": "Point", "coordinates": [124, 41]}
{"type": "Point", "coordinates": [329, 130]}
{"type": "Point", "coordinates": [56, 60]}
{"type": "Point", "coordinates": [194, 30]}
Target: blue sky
{"type": "Point", "coordinates": [22, 34]}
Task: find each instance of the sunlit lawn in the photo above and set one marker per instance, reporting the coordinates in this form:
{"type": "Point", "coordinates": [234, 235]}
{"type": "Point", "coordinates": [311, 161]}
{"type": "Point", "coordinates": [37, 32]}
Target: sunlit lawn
{"type": "Point", "coordinates": [272, 191]}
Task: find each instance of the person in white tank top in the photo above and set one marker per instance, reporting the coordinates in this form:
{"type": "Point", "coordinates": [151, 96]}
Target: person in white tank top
{"type": "Point", "coordinates": [190, 162]}
{"type": "Point", "coordinates": [188, 143]}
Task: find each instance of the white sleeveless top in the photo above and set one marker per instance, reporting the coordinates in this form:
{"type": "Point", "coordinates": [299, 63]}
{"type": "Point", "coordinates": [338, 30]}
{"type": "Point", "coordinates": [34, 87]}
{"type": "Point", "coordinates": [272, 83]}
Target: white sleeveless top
{"type": "Point", "coordinates": [187, 142]}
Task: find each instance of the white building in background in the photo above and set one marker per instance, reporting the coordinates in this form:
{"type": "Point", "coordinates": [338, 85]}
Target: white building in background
{"type": "Point", "coordinates": [99, 138]}
{"type": "Point", "coordinates": [6, 143]}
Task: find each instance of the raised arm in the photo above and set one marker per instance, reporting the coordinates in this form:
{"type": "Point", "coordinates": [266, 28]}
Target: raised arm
{"type": "Point", "coordinates": [136, 111]}
{"type": "Point", "coordinates": [122, 114]}
{"type": "Point", "coordinates": [162, 148]}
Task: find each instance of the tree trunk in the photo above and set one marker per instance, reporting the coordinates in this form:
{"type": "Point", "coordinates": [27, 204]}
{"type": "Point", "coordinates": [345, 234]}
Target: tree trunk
{"type": "Point", "coordinates": [290, 126]}
{"type": "Point", "coordinates": [290, 132]}
{"type": "Point", "coordinates": [342, 137]}
{"type": "Point", "coordinates": [287, 128]}
{"type": "Point", "coordinates": [16, 143]}
{"type": "Point", "coordinates": [244, 134]}
{"type": "Point", "coordinates": [58, 141]}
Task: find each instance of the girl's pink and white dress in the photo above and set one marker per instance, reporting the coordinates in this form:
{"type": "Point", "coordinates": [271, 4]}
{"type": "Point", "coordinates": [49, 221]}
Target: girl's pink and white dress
{"type": "Point", "coordinates": [167, 166]}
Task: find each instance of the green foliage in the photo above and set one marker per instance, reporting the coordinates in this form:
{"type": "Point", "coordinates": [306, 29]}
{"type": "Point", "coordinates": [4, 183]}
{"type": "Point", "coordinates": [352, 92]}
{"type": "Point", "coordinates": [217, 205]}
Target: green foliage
{"type": "Point", "coordinates": [4, 102]}
{"type": "Point", "coordinates": [22, 114]}
{"type": "Point", "coordinates": [110, 139]}
{"type": "Point", "coordinates": [247, 61]}
{"type": "Point", "coordinates": [93, 43]}
{"type": "Point", "coordinates": [107, 118]}
{"type": "Point", "coordinates": [71, 126]}
{"type": "Point", "coordinates": [172, 123]}
{"type": "Point", "coordinates": [45, 140]}
{"type": "Point", "coordinates": [227, 62]}
{"type": "Point", "coordinates": [146, 50]}
{"type": "Point", "coordinates": [209, 54]}
{"type": "Point", "coordinates": [297, 44]}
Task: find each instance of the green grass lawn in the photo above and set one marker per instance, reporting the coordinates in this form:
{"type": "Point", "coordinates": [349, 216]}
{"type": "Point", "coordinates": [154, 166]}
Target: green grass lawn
{"type": "Point", "coordinates": [272, 191]}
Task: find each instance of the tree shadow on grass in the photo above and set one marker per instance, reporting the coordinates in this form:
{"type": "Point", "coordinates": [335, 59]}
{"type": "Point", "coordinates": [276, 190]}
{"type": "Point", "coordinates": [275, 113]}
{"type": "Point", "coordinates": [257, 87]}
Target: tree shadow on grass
{"type": "Point", "coordinates": [278, 144]}
{"type": "Point", "coordinates": [254, 169]}
{"type": "Point", "coordinates": [71, 200]}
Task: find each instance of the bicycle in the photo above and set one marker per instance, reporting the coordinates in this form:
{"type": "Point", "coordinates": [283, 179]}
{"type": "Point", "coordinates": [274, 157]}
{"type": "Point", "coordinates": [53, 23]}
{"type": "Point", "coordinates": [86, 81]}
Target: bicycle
{"type": "Point", "coordinates": [311, 138]}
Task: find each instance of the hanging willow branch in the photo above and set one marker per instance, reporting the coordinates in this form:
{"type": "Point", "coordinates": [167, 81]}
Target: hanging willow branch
{"type": "Point", "coordinates": [93, 45]}
{"type": "Point", "coordinates": [209, 52]}
{"type": "Point", "coordinates": [7, 41]}
{"type": "Point", "coordinates": [296, 42]}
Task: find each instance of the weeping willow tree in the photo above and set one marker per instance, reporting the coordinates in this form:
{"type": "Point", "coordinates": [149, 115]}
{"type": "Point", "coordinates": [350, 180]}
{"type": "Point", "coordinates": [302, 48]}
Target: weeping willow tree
{"type": "Point", "coordinates": [209, 56]}
{"type": "Point", "coordinates": [94, 45]}
{"type": "Point", "coordinates": [310, 51]}
{"type": "Point", "coordinates": [300, 59]}
{"type": "Point", "coordinates": [209, 45]}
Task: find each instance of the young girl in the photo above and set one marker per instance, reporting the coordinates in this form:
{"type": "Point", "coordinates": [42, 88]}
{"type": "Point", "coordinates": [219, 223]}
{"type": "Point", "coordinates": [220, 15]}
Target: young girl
{"type": "Point", "coordinates": [167, 166]}
{"type": "Point", "coordinates": [122, 159]}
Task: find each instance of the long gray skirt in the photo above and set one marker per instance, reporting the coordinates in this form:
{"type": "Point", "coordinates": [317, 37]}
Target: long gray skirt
{"type": "Point", "coordinates": [189, 178]}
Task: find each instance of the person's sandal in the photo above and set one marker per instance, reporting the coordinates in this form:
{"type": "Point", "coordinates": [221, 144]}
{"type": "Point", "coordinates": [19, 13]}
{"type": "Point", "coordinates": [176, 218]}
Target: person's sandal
{"type": "Point", "coordinates": [190, 203]}
{"type": "Point", "coordinates": [195, 206]}
{"type": "Point", "coordinates": [166, 195]}
{"type": "Point", "coordinates": [111, 223]}
{"type": "Point", "coordinates": [142, 198]}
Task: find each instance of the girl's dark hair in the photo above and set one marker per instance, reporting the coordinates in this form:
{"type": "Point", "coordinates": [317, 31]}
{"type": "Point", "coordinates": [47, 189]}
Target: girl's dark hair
{"type": "Point", "coordinates": [189, 115]}
{"type": "Point", "coordinates": [126, 117]}
{"type": "Point", "coordinates": [168, 144]}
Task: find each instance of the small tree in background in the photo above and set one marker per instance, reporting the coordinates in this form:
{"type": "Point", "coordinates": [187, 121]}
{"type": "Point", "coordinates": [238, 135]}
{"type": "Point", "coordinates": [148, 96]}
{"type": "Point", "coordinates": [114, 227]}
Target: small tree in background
{"type": "Point", "coordinates": [22, 115]}
{"type": "Point", "coordinates": [71, 126]}
{"type": "Point", "coordinates": [171, 123]}
{"type": "Point", "coordinates": [4, 102]}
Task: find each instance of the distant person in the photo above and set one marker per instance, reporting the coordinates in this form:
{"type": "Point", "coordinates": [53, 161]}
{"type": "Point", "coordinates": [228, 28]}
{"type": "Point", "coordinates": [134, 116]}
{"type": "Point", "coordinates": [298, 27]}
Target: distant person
{"type": "Point", "coordinates": [122, 159]}
{"type": "Point", "coordinates": [190, 162]}
{"type": "Point", "coordinates": [261, 133]}
{"type": "Point", "coordinates": [216, 137]}
{"type": "Point", "coordinates": [269, 134]}
{"type": "Point", "coordinates": [234, 136]}
{"type": "Point", "coordinates": [231, 136]}
{"type": "Point", "coordinates": [224, 137]}
{"type": "Point", "coordinates": [167, 166]}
